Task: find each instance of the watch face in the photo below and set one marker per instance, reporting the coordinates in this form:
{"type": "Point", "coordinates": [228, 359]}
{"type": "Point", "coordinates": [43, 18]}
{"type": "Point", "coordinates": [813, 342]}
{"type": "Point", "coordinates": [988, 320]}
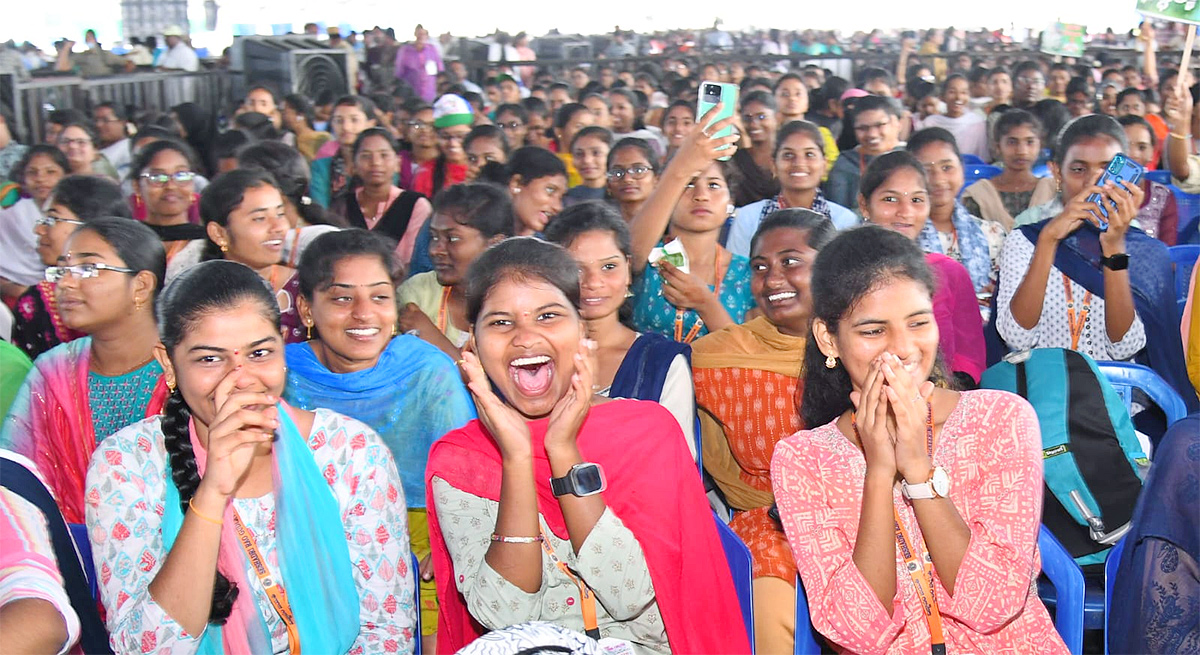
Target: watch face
{"type": "Point", "coordinates": [588, 479]}
{"type": "Point", "coordinates": [941, 482]}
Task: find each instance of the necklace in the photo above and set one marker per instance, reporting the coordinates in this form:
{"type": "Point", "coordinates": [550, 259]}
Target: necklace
{"type": "Point", "coordinates": [95, 369]}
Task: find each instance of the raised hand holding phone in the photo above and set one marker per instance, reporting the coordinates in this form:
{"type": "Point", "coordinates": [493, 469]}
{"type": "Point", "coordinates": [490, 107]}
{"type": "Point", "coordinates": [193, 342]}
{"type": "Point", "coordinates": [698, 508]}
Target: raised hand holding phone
{"type": "Point", "coordinates": [722, 98]}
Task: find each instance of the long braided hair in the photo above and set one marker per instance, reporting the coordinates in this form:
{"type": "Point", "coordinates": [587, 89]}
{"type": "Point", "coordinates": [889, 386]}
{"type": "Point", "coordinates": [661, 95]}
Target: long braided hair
{"type": "Point", "coordinates": [205, 288]}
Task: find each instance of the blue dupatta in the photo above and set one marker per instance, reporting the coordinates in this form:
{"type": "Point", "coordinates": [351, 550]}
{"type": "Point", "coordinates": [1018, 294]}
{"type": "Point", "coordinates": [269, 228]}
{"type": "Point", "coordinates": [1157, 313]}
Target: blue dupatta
{"type": "Point", "coordinates": [1153, 286]}
{"type": "Point", "coordinates": [411, 397]}
{"type": "Point", "coordinates": [972, 245]}
{"type": "Point", "coordinates": [644, 370]}
{"type": "Point", "coordinates": [314, 559]}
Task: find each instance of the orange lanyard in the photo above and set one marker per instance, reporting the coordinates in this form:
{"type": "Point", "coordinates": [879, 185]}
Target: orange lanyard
{"type": "Point", "coordinates": [443, 311]}
{"type": "Point", "coordinates": [1076, 323]}
{"type": "Point", "coordinates": [275, 591]}
{"type": "Point", "coordinates": [591, 625]}
{"type": "Point", "coordinates": [920, 571]}
{"type": "Point", "coordinates": [719, 269]}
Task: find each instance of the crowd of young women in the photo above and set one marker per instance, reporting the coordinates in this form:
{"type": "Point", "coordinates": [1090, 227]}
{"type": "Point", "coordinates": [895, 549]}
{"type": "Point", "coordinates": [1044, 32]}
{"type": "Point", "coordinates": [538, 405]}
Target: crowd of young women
{"type": "Point", "coordinates": [493, 343]}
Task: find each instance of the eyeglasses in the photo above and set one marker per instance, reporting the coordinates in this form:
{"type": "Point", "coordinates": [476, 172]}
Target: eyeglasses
{"type": "Point", "coordinates": [75, 142]}
{"type": "Point", "coordinates": [161, 179]}
{"type": "Point", "coordinates": [83, 271]}
{"type": "Point", "coordinates": [1032, 81]}
{"type": "Point", "coordinates": [50, 221]}
{"type": "Point", "coordinates": [750, 118]}
{"type": "Point", "coordinates": [513, 125]}
{"type": "Point", "coordinates": [446, 136]}
{"type": "Point", "coordinates": [420, 125]}
{"type": "Point", "coordinates": [863, 129]}
{"type": "Point", "coordinates": [634, 172]}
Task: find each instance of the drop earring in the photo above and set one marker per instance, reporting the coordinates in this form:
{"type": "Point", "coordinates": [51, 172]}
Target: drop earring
{"type": "Point", "coordinates": [308, 331]}
{"type": "Point", "coordinates": [831, 362]}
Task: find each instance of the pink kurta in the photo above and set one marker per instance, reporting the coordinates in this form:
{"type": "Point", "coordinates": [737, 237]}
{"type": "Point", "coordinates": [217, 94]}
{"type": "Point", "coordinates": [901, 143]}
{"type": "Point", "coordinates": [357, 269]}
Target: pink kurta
{"type": "Point", "coordinates": [991, 447]}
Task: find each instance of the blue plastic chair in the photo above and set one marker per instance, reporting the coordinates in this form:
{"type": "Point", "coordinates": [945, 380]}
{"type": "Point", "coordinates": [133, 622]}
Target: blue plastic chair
{"type": "Point", "coordinates": [1189, 232]}
{"type": "Point", "coordinates": [1183, 258]}
{"type": "Point", "coordinates": [416, 575]}
{"type": "Point", "coordinates": [974, 173]}
{"type": "Point", "coordinates": [1189, 206]}
{"type": "Point", "coordinates": [742, 568]}
{"type": "Point", "coordinates": [1125, 376]}
{"type": "Point", "coordinates": [1162, 177]}
{"type": "Point", "coordinates": [1069, 589]}
{"type": "Point", "coordinates": [806, 643]}
{"type": "Point", "coordinates": [972, 160]}
{"type": "Point", "coordinates": [1110, 578]}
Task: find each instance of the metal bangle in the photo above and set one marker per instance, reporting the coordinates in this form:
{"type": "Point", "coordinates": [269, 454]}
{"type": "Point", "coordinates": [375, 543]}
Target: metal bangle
{"type": "Point", "coordinates": [517, 540]}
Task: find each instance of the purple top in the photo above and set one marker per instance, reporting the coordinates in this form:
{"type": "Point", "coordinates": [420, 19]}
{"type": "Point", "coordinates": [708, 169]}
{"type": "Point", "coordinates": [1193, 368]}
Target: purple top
{"type": "Point", "coordinates": [956, 310]}
{"type": "Point", "coordinates": [411, 66]}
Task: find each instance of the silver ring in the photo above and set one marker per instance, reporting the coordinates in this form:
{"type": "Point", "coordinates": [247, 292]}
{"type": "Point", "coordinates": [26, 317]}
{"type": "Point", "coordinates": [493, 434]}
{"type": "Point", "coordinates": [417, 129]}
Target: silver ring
{"type": "Point", "coordinates": [705, 133]}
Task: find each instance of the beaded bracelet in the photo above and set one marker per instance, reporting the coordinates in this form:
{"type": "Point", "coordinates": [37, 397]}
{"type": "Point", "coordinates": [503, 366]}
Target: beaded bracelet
{"type": "Point", "coordinates": [517, 540]}
{"type": "Point", "coordinates": [202, 515]}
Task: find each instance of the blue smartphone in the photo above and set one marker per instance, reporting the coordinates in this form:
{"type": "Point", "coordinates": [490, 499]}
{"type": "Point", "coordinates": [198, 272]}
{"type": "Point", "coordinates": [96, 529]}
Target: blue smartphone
{"type": "Point", "coordinates": [712, 93]}
{"type": "Point", "coordinates": [1121, 168]}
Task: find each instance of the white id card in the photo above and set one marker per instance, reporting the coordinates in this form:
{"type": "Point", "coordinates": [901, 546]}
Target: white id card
{"type": "Point", "coordinates": [430, 67]}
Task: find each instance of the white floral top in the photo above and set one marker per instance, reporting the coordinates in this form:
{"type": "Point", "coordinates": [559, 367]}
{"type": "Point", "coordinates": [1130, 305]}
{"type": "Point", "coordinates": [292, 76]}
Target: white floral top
{"type": "Point", "coordinates": [126, 486]}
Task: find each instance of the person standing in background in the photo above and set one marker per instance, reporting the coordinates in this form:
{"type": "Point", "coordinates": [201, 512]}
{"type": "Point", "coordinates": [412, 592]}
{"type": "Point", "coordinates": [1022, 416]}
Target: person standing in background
{"type": "Point", "coordinates": [111, 125]}
{"type": "Point", "coordinates": [418, 64]}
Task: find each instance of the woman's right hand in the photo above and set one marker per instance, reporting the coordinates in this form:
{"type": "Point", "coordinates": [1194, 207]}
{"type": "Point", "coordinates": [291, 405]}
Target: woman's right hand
{"type": "Point", "coordinates": [244, 420]}
{"type": "Point", "coordinates": [699, 149]}
{"type": "Point", "coordinates": [871, 419]}
{"type": "Point", "coordinates": [1076, 212]}
{"type": "Point", "coordinates": [506, 426]}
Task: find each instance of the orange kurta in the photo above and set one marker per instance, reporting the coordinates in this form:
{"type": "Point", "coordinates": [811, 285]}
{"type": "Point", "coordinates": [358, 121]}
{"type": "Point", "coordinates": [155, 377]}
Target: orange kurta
{"type": "Point", "coordinates": [747, 378]}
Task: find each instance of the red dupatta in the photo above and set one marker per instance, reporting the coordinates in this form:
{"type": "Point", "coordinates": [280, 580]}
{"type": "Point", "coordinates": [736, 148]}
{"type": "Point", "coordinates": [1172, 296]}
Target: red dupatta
{"type": "Point", "coordinates": [653, 487]}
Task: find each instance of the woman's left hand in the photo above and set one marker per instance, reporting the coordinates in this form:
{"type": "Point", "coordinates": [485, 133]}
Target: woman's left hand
{"type": "Point", "coordinates": [907, 418]}
{"type": "Point", "coordinates": [684, 290]}
{"type": "Point", "coordinates": [570, 411]}
{"type": "Point", "coordinates": [1128, 198]}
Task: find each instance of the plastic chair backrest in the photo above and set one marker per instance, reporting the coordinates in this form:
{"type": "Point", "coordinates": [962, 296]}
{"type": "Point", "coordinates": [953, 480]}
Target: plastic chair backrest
{"type": "Point", "coordinates": [1069, 589]}
{"type": "Point", "coordinates": [1125, 376]}
{"type": "Point", "coordinates": [972, 160]}
{"type": "Point", "coordinates": [416, 576]}
{"type": "Point", "coordinates": [1162, 177]}
{"type": "Point", "coordinates": [1183, 258]}
{"type": "Point", "coordinates": [1188, 204]}
{"type": "Point", "coordinates": [1110, 579]}
{"type": "Point", "coordinates": [805, 644]}
{"type": "Point", "coordinates": [737, 555]}
{"type": "Point", "coordinates": [974, 173]}
{"type": "Point", "coordinates": [1189, 232]}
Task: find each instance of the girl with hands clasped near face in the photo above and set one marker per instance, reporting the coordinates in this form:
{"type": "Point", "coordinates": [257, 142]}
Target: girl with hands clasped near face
{"type": "Point", "coordinates": [691, 203]}
{"type": "Point", "coordinates": [229, 563]}
{"type": "Point", "coordinates": [560, 475]}
{"type": "Point", "coordinates": [1067, 283]}
{"type": "Point", "coordinates": [912, 521]}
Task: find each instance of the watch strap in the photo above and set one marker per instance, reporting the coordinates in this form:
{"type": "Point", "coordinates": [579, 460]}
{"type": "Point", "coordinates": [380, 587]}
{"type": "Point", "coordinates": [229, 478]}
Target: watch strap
{"type": "Point", "coordinates": [1116, 262]}
{"type": "Point", "coordinates": [921, 491]}
{"type": "Point", "coordinates": [562, 486]}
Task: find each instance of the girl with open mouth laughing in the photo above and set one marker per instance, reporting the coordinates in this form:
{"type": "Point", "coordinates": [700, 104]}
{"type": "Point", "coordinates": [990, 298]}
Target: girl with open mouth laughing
{"type": "Point", "coordinates": [559, 477]}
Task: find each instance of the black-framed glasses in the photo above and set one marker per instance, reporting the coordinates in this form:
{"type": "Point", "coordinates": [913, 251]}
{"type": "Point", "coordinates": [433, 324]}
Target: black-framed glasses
{"type": "Point", "coordinates": [449, 137]}
{"type": "Point", "coordinates": [637, 172]}
{"type": "Point", "coordinates": [83, 271]}
{"type": "Point", "coordinates": [161, 179]}
{"type": "Point", "coordinates": [750, 118]}
{"type": "Point", "coordinates": [511, 125]}
{"type": "Point", "coordinates": [49, 222]}
{"type": "Point", "coordinates": [420, 125]}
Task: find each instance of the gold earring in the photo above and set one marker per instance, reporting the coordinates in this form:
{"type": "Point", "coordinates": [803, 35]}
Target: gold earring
{"type": "Point", "coordinates": [831, 362]}
{"type": "Point", "coordinates": [171, 386]}
{"type": "Point", "coordinates": [308, 331]}
{"type": "Point", "coordinates": [395, 330]}
{"type": "Point", "coordinates": [629, 293]}
{"type": "Point", "coordinates": [224, 248]}
{"type": "Point", "coordinates": [137, 304]}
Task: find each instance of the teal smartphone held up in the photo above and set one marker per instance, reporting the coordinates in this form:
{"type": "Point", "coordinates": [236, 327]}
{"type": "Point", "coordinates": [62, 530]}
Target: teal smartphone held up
{"type": "Point", "coordinates": [712, 93]}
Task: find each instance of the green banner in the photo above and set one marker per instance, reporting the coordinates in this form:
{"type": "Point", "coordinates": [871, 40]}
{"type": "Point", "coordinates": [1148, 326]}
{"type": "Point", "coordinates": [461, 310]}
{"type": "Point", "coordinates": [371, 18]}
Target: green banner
{"type": "Point", "coordinates": [1064, 39]}
{"type": "Point", "coordinates": [1180, 11]}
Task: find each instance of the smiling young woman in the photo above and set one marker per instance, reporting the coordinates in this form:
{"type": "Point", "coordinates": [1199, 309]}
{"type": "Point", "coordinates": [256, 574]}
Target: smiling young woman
{"type": "Point", "coordinates": [800, 166]}
{"type": "Point", "coordinates": [629, 364]}
{"type": "Point", "coordinates": [242, 478]}
{"type": "Point", "coordinates": [647, 568]}
{"type": "Point", "coordinates": [246, 222]}
{"type": "Point", "coordinates": [401, 386]}
{"type": "Point", "coordinates": [372, 200]}
{"type": "Point", "coordinates": [964, 494]}
{"type": "Point", "coordinates": [747, 388]}
{"type": "Point", "coordinates": [895, 195]}
{"type": "Point", "coordinates": [78, 393]}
